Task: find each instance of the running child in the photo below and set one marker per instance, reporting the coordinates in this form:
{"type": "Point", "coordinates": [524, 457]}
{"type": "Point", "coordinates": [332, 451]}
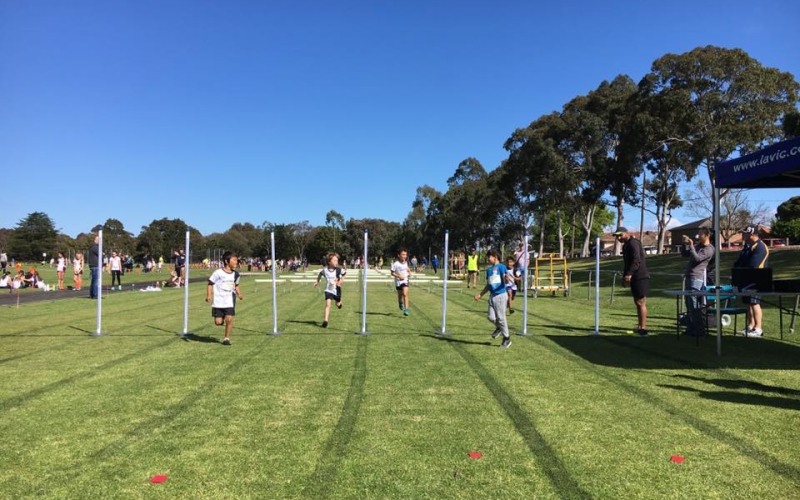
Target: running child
{"type": "Point", "coordinates": [224, 283]}
{"type": "Point", "coordinates": [512, 279]}
{"type": "Point", "coordinates": [334, 276]}
{"type": "Point", "coordinates": [401, 273]}
{"type": "Point", "coordinates": [498, 300]}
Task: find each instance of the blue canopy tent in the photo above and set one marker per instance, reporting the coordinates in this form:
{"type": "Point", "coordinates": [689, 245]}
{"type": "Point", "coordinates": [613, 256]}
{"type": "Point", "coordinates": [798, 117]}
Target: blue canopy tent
{"type": "Point", "coordinates": [776, 166]}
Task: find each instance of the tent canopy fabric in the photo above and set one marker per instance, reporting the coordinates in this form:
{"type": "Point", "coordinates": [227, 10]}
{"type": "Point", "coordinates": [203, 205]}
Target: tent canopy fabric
{"type": "Point", "coordinates": [776, 166]}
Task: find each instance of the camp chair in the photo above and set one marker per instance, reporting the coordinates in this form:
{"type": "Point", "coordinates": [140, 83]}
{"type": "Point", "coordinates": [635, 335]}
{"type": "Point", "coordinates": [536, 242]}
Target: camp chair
{"type": "Point", "coordinates": [728, 308]}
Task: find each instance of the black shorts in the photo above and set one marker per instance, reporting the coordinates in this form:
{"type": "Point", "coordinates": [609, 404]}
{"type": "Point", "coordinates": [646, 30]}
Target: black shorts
{"type": "Point", "coordinates": [640, 288]}
{"type": "Point", "coordinates": [337, 297]}
{"type": "Point", "coordinates": [221, 312]}
{"type": "Point", "coordinates": [471, 272]}
{"type": "Point", "coordinates": [751, 299]}
{"type": "Point", "coordinates": [401, 286]}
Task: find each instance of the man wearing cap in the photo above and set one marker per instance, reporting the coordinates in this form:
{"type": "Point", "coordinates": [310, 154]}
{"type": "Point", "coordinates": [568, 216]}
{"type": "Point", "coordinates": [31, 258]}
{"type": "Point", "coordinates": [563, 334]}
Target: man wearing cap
{"type": "Point", "coordinates": [700, 255]}
{"type": "Point", "coordinates": [635, 274]}
{"type": "Point", "coordinates": [754, 255]}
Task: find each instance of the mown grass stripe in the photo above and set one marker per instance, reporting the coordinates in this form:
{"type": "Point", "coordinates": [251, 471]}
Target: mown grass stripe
{"type": "Point", "coordinates": [542, 452]}
{"type": "Point", "coordinates": [788, 471]}
{"type": "Point", "coordinates": [323, 479]}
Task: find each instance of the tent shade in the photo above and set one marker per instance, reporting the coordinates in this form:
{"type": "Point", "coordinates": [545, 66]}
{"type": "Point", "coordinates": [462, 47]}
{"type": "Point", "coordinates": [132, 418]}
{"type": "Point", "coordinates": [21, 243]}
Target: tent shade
{"type": "Point", "coordinates": [776, 166]}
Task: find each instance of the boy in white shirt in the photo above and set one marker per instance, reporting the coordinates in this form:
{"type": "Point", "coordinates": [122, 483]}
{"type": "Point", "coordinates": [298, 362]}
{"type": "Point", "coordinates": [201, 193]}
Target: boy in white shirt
{"type": "Point", "coordinates": [401, 273]}
{"type": "Point", "coordinates": [224, 283]}
{"type": "Point", "coordinates": [334, 276]}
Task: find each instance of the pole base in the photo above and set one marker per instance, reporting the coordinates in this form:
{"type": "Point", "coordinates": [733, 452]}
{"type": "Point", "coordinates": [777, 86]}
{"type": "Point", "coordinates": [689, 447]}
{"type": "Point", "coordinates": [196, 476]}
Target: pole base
{"type": "Point", "coordinates": [524, 334]}
{"type": "Point", "coordinates": [98, 334]}
{"type": "Point", "coordinates": [445, 333]}
{"type": "Point", "coordinates": [275, 333]}
{"type": "Point", "coordinates": [184, 335]}
{"type": "Point", "coordinates": [364, 333]}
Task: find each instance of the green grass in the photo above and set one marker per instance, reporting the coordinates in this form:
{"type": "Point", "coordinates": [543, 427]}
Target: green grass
{"type": "Point", "coordinates": [328, 414]}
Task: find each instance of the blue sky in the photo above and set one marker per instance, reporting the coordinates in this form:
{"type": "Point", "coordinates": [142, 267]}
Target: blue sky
{"type": "Point", "coordinates": [218, 112]}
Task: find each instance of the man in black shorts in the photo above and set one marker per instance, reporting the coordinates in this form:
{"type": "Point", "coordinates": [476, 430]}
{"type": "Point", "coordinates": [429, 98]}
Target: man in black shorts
{"type": "Point", "coordinates": [635, 274]}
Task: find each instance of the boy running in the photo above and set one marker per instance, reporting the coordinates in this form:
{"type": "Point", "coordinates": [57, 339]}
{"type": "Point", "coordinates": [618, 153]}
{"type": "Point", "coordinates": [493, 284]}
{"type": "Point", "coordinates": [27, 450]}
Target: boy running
{"type": "Point", "coordinates": [512, 278]}
{"type": "Point", "coordinates": [334, 275]}
{"type": "Point", "coordinates": [401, 273]}
{"type": "Point", "coordinates": [224, 283]}
{"type": "Point", "coordinates": [496, 284]}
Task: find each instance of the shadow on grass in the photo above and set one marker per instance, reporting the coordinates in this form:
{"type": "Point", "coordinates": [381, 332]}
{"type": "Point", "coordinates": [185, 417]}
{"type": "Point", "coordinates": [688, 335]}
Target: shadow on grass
{"type": "Point", "coordinates": [450, 339]}
{"type": "Point", "coordinates": [742, 384]}
{"type": "Point", "coordinates": [740, 397]}
{"type": "Point", "coordinates": [192, 337]}
{"type": "Point", "coordinates": [664, 351]}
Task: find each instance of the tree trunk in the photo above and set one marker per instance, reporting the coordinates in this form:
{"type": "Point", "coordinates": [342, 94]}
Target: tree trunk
{"type": "Point", "coordinates": [559, 217]}
{"type": "Point", "coordinates": [620, 205]}
{"type": "Point", "coordinates": [588, 220]}
{"type": "Point", "coordinates": [541, 232]}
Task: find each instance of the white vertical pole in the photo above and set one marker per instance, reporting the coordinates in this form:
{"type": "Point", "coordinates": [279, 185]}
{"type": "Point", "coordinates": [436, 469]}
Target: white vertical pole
{"type": "Point", "coordinates": [597, 286]}
{"type": "Point", "coordinates": [99, 331]}
{"type": "Point", "coordinates": [274, 286]}
{"type": "Point", "coordinates": [364, 285]}
{"type": "Point", "coordinates": [717, 249]}
{"type": "Point", "coordinates": [525, 287]}
{"type": "Point", "coordinates": [186, 286]}
{"type": "Point", "coordinates": [444, 285]}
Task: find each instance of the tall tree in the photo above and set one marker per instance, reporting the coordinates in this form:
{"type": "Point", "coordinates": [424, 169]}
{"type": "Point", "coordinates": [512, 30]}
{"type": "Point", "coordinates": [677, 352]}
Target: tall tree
{"type": "Point", "coordinates": [730, 102]}
{"type": "Point", "coordinates": [115, 237]}
{"type": "Point", "coordinates": [787, 219]}
{"type": "Point", "coordinates": [34, 236]}
{"type": "Point", "coordinates": [335, 222]}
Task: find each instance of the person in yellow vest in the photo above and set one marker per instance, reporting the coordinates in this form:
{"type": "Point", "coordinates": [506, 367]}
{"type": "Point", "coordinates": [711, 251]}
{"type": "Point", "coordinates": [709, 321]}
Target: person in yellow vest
{"type": "Point", "coordinates": [472, 268]}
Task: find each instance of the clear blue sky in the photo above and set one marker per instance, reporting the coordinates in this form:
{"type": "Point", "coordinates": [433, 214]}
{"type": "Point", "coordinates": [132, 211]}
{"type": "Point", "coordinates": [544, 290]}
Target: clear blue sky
{"type": "Point", "coordinates": [218, 112]}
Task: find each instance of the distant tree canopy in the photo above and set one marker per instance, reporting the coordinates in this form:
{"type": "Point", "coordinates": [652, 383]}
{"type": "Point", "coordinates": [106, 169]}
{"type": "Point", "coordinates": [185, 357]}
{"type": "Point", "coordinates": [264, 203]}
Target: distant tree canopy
{"type": "Point", "coordinates": [621, 143]}
{"type": "Point", "coordinates": [787, 220]}
{"type": "Point", "coordinates": [34, 236]}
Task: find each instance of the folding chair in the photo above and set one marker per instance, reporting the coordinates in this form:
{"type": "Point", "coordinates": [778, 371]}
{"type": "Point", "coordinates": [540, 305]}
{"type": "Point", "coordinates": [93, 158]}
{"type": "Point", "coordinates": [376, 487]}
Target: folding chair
{"type": "Point", "coordinates": [727, 307]}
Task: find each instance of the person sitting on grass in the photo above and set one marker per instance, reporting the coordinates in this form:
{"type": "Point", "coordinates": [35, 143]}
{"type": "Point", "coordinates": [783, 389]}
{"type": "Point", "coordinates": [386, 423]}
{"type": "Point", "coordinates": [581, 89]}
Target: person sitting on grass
{"type": "Point", "coordinates": [7, 281]}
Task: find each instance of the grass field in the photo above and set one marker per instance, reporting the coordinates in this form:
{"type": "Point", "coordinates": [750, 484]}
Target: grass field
{"type": "Point", "coordinates": [325, 413]}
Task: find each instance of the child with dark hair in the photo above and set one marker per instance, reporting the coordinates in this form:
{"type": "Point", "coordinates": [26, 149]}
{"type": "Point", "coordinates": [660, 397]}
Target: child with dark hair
{"type": "Point", "coordinates": [334, 276]}
{"type": "Point", "coordinates": [224, 283]}
{"type": "Point", "coordinates": [401, 272]}
{"type": "Point", "coordinates": [498, 300]}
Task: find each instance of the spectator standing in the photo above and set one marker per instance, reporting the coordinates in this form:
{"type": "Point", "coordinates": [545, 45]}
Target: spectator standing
{"type": "Point", "coordinates": [635, 275]}
{"type": "Point", "coordinates": [93, 258]}
{"type": "Point", "coordinates": [115, 266]}
{"type": "Point", "coordinates": [77, 271]}
{"type": "Point", "coordinates": [694, 276]}
{"type": "Point", "coordinates": [61, 269]}
{"type": "Point", "coordinates": [3, 261]}
{"type": "Point", "coordinates": [754, 255]}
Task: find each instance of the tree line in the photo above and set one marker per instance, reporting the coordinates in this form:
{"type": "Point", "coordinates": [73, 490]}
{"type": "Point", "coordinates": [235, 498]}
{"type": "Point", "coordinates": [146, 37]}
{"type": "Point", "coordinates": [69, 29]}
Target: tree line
{"type": "Point", "coordinates": [567, 175]}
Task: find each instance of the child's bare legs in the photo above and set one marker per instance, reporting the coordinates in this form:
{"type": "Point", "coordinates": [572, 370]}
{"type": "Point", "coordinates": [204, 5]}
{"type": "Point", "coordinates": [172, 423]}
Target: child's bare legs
{"type": "Point", "coordinates": [228, 320]}
{"type": "Point", "coordinates": [404, 292]}
{"type": "Point", "coordinates": [327, 309]}
{"type": "Point", "coordinates": [510, 300]}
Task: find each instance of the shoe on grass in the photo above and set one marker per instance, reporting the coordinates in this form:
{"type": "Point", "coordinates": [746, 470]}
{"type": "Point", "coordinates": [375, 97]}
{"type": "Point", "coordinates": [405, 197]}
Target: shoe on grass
{"type": "Point", "coordinates": [339, 305]}
{"type": "Point", "coordinates": [497, 333]}
{"type": "Point", "coordinates": [405, 312]}
{"type": "Point", "coordinates": [641, 331]}
{"type": "Point", "coordinates": [506, 343]}
{"type": "Point", "coordinates": [324, 324]}
{"type": "Point", "coordinates": [755, 332]}
{"type": "Point", "coordinates": [744, 331]}
{"type": "Point", "coordinates": [226, 341]}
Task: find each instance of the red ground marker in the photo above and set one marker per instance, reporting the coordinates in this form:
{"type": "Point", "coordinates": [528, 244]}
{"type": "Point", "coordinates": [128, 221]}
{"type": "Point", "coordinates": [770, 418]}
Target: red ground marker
{"type": "Point", "coordinates": [158, 479]}
{"type": "Point", "coordinates": [678, 459]}
{"type": "Point", "coordinates": [474, 454]}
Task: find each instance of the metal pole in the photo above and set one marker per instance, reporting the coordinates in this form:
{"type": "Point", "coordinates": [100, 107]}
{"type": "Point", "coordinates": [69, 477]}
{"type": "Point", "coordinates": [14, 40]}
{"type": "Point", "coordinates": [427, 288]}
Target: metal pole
{"type": "Point", "coordinates": [364, 285]}
{"type": "Point", "coordinates": [274, 286]}
{"type": "Point", "coordinates": [525, 288]}
{"type": "Point", "coordinates": [444, 285]}
{"type": "Point", "coordinates": [99, 331]}
{"type": "Point", "coordinates": [186, 263]}
{"type": "Point", "coordinates": [597, 287]}
{"type": "Point", "coordinates": [718, 264]}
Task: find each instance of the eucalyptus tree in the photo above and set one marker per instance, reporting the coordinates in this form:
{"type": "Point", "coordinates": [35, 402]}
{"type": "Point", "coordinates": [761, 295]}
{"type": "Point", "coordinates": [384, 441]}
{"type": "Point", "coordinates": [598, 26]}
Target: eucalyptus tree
{"type": "Point", "coordinates": [729, 102]}
{"type": "Point", "coordinates": [465, 208]}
